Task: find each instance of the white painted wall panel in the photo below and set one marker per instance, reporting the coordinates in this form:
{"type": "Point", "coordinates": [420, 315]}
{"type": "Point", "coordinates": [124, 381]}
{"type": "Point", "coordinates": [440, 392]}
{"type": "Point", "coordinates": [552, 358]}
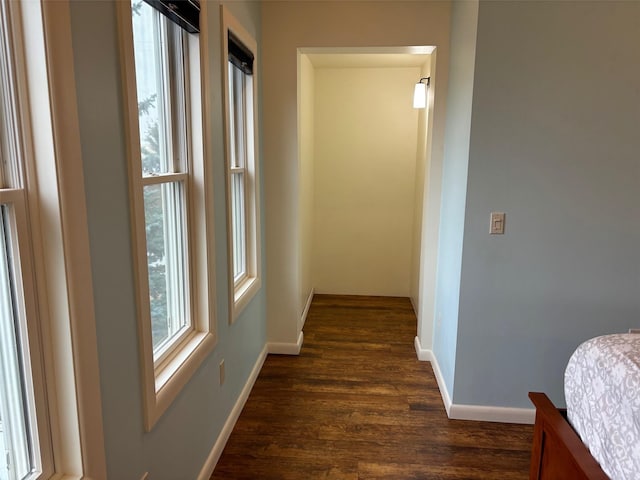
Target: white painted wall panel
{"type": "Point", "coordinates": [365, 165]}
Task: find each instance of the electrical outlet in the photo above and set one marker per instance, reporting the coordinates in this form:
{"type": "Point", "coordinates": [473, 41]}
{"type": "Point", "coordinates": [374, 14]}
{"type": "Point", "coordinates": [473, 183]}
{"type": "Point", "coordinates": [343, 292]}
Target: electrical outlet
{"type": "Point", "coordinates": [221, 371]}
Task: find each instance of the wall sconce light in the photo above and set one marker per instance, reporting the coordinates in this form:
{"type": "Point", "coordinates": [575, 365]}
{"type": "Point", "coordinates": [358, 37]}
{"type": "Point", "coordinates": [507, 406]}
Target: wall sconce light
{"type": "Point", "coordinates": [420, 93]}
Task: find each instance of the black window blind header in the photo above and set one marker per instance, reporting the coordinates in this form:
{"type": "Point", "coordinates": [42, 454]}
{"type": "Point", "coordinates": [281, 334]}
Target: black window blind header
{"type": "Point", "coordinates": [239, 55]}
{"type": "Point", "coordinates": [186, 13]}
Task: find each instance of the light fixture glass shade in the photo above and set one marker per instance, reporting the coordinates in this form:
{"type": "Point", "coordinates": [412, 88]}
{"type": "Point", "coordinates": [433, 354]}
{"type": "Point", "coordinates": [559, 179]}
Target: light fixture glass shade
{"type": "Point", "coordinates": [420, 95]}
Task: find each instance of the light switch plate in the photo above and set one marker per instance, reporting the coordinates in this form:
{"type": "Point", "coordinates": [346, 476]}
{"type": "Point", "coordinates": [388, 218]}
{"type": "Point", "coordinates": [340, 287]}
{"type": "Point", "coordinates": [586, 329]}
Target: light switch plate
{"type": "Point", "coordinates": [497, 223]}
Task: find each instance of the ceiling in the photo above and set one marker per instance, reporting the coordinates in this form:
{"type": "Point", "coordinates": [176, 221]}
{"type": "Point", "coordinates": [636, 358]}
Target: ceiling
{"type": "Point", "coordinates": [370, 58]}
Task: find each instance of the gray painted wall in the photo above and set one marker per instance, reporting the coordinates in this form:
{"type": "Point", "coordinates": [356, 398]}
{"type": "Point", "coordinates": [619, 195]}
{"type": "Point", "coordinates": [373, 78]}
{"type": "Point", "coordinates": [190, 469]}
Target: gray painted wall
{"type": "Point", "coordinates": [464, 20]}
{"type": "Point", "coordinates": [178, 445]}
{"type": "Point", "coordinates": [555, 145]}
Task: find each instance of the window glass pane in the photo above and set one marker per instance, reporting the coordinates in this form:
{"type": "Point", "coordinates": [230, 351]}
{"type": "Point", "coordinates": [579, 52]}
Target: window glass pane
{"type": "Point", "coordinates": [232, 119]}
{"type": "Point", "coordinates": [238, 225]}
{"type": "Point", "coordinates": [237, 120]}
{"type": "Point", "coordinates": [165, 225]}
{"type": "Point", "coordinates": [159, 61]}
{"type": "Point", "coordinates": [15, 430]}
{"type": "Point", "coordinates": [238, 152]}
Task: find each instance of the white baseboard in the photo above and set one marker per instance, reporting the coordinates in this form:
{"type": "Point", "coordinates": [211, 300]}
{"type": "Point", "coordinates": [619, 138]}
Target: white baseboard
{"type": "Point", "coordinates": [493, 414]}
{"type": "Point", "coordinates": [442, 386]}
{"type": "Point", "coordinates": [307, 306]}
{"type": "Point", "coordinates": [218, 447]}
{"type": "Point", "coordinates": [278, 348]}
{"type": "Point", "coordinates": [415, 307]}
{"type": "Point", "coordinates": [480, 413]}
{"type": "Point", "coordinates": [424, 354]}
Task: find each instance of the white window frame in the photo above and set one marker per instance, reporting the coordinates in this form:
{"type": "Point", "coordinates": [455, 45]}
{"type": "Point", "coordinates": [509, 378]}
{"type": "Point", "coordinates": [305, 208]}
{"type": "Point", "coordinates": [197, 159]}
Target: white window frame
{"type": "Point", "coordinates": [24, 402]}
{"type": "Point", "coordinates": [243, 289]}
{"type": "Point", "coordinates": [55, 206]}
{"type": "Point", "coordinates": [164, 379]}
{"type": "Point", "coordinates": [24, 394]}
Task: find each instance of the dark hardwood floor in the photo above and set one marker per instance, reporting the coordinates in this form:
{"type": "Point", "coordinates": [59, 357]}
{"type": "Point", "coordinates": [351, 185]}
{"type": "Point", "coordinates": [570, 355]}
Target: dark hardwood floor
{"type": "Point", "coordinates": [357, 404]}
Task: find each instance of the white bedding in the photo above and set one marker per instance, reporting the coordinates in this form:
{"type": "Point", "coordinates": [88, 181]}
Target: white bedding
{"type": "Point", "coordinates": [602, 390]}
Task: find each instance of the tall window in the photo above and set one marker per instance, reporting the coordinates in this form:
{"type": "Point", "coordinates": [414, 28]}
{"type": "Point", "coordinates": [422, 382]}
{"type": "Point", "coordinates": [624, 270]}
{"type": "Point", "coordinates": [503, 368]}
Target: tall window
{"type": "Point", "coordinates": [161, 54]}
{"type": "Point", "coordinates": [48, 356]}
{"type": "Point", "coordinates": [239, 90]}
{"type": "Point", "coordinates": [161, 59]}
{"type": "Point", "coordinates": [23, 423]}
{"type": "Point", "coordinates": [241, 164]}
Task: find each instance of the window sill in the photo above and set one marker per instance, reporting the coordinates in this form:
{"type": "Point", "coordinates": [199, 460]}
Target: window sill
{"type": "Point", "coordinates": [175, 372]}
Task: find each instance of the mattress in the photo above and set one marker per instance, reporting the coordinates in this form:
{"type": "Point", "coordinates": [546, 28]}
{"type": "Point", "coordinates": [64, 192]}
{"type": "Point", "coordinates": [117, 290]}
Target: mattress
{"type": "Point", "coordinates": [602, 390]}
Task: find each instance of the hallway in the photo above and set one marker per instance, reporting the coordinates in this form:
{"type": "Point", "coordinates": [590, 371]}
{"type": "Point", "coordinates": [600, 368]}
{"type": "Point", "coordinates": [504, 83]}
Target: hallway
{"type": "Point", "coordinates": [357, 404]}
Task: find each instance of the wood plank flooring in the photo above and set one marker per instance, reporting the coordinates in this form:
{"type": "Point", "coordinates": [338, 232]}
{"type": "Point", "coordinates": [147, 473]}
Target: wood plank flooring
{"type": "Point", "coordinates": [357, 404]}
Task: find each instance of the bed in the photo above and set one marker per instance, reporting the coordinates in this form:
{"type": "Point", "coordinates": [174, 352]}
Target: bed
{"type": "Point", "coordinates": [598, 436]}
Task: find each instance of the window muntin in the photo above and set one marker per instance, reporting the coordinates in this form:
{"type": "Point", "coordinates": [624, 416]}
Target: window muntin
{"type": "Point", "coordinates": [161, 53]}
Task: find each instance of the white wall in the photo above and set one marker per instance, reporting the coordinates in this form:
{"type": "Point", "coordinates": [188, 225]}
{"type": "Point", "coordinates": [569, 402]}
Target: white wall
{"type": "Point", "coordinates": [421, 161]}
{"type": "Point", "coordinates": [365, 162]}
{"type": "Point", "coordinates": [306, 86]}
{"type": "Point", "coordinates": [427, 226]}
{"type": "Point", "coordinates": [287, 26]}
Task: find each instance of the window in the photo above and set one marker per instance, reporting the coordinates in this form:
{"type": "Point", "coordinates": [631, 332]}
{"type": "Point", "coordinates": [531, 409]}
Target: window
{"type": "Point", "coordinates": [163, 91]}
{"type": "Point", "coordinates": [239, 84]}
{"type": "Point", "coordinates": [24, 428]}
{"type": "Point", "coordinates": [48, 348]}
{"type": "Point", "coordinates": [241, 162]}
{"type": "Point", "coordinates": [160, 48]}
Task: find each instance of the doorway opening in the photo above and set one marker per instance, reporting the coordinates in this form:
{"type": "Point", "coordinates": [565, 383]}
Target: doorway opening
{"type": "Point", "coordinates": [363, 163]}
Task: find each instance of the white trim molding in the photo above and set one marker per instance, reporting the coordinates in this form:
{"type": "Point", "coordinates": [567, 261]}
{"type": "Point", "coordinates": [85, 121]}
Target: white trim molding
{"type": "Point", "coordinates": [442, 386]}
{"type": "Point", "coordinates": [424, 354]}
{"type": "Point", "coordinates": [307, 306]}
{"type": "Point", "coordinates": [60, 241]}
{"type": "Point", "coordinates": [281, 348]}
{"type": "Point", "coordinates": [218, 446]}
{"type": "Point", "coordinates": [480, 413]}
{"type": "Point", "coordinates": [414, 306]}
{"type": "Point", "coordinates": [493, 414]}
